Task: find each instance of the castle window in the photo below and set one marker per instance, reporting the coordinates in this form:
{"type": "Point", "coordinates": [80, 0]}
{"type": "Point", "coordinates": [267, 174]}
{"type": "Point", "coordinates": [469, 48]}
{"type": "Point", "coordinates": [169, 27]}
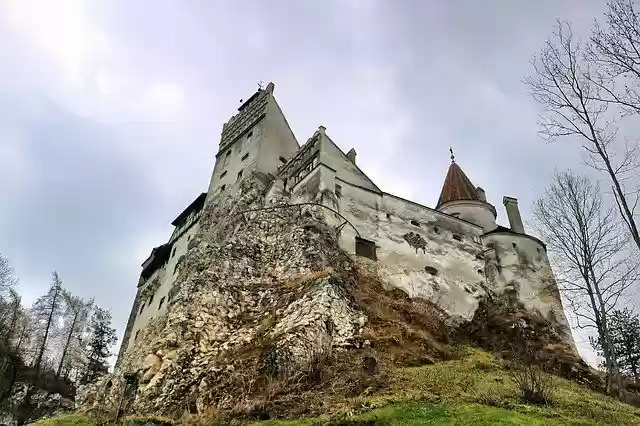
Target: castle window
{"type": "Point", "coordinates": [223, 187]}
{"type": "Point", "coordinates": [338, 191]}
{"type": "Point", "coordinates": [141, 309]}
{"type": "Point", "coordinates": [173, 252]}
{"type": "Point", "coordinates": [436, 230]}
{"type": "Point", "coordinates": [388, 216]}
{"type": "Point", "coordinates": [431, 270]}
{"type": "Point", "coordinates": [249, 135]}
{"type": "Point", "coordinates": [151, 298]}
{"type": "Point", "coordinates": [415, 223]}
{"type": "Point", "coordinates": [480, 272]}
{"type": "Point", "coordinates": [514, 245]}
{"type": "Point", "coordinates": [244, 157]}
{"type": "Point", "coordinates": [161, 303]}
{"type": "Point", "coordinates": [239, 175]}
{"type": "Point", "coordinates": [457, 237]}
{"type": "Point", "coordinates": [282, 159]}
{"type": "Point", "coordinates": [223, 174]}
{"type": "Point", "coordinates": [136, 336]}
{"type": "Point", "coordinates": [365, 248]}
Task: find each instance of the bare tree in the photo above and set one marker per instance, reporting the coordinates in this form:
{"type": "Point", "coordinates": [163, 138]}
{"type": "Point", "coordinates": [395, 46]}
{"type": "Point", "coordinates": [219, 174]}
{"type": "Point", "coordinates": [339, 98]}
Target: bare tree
{"type": "Point", "coordinates": [76, 316]}
{"type": "Point", "coordinates": [588, 246]}
{"type": "Point", "coordinates": [570, 89]}
{"type": "Point", "coordinates": [8, 278]}
{"type": "Point", "coordinates": [615, 48]}
{"type": "Point", "coordinates": [47, 310]}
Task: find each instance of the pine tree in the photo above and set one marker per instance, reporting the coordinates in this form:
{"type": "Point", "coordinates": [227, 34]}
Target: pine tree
{"type": "Point", "coordinates": [46, 311]}
{"type": "Point", "coordinates": [625, 336]}
{"type": "Point", "coordinates": [101, 337]}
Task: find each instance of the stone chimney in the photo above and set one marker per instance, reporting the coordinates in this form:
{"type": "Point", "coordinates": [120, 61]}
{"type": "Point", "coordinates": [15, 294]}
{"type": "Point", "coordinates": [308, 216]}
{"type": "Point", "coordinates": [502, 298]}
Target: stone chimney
{"type": "Point", "coordinates": [351, 155]}
{"type": "Point", "coordinates": [513, 213]}
{"type": "Point", "coordinates": [482, 196]}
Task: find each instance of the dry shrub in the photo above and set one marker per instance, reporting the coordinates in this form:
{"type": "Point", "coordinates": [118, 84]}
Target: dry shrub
{"type": "Point", "coordinates": [534, 384]}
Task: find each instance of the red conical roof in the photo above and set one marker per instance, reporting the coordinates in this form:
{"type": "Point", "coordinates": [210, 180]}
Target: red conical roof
{"type": "Point", "coordinates": [457, 186]}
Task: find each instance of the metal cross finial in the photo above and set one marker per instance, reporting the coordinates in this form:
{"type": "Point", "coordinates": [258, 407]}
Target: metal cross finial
{"type": "Point", "coordinates": [260, 84]}
{"type": "Point", "coordinates": [453, 157]}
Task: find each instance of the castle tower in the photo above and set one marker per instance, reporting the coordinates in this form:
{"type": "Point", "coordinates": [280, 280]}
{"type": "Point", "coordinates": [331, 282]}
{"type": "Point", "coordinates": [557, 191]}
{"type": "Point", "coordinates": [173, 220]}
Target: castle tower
{"type": "Point", "coordinates": [461, 199]}
{"type": "Point", "coordinates": [256, 139]}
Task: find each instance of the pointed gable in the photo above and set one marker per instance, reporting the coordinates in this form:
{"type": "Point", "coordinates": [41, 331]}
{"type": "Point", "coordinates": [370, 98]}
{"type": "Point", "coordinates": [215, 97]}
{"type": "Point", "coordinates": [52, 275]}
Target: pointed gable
{"type": "Point", "coordinates": [457, 186]}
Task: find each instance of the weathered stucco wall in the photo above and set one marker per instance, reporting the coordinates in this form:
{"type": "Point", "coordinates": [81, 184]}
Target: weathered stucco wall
{"type": "Point", "coordinates": [518, 266]}
{"type": "Point", "coordinates": [432, 255]}
{"type": "Point", "coordinates": [478, 212]}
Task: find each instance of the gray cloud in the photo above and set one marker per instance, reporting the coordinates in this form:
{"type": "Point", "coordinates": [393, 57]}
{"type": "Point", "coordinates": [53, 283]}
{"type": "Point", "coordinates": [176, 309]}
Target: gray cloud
{"type": "Point", "coordinates": [111, 111]}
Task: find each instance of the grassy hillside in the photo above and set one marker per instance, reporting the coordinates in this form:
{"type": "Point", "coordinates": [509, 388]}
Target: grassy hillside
{"type": "Point", "coordinates": [475, 389]}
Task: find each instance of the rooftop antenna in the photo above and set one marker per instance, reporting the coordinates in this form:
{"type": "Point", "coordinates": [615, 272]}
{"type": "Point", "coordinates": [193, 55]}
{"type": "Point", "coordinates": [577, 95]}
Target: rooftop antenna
{"type": "Point", "coordinates": [453, 157]}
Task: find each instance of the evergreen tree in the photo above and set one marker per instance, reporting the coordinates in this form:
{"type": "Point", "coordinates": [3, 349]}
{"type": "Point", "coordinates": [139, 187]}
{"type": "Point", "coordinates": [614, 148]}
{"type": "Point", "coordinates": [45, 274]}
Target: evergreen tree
{"type": "Point", "coordinates": [625, 336]}
{"type": "Point", "coordinates": [101, 337]}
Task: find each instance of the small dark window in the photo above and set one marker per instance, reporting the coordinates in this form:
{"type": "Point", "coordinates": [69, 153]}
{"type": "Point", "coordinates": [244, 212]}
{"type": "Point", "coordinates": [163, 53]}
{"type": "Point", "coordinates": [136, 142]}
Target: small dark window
{"type": "Point", "coordinates": [136, 336]}
{"type": "Point", "coordinates": [480, 272]}
{"type": "Point", "coordinates": [223, 174]}
{"type": "Point", "coordinates": [249, 135]}
{"type": "Point", "coordinates": [239, 175]}
{"type": "Point", "coordinates": [538, 249]}
{"type": "Point", "coordinates": [173, 253]}
{"type": "Point", "coordinates": [457, 237]}
{"type": "Point", "coordinates": [161, 303]}
{"type": "Point", "coordinates": [431, 270]}
{"type": "Point", "coordinates": [151, 298]}
{"type": "Point", "coordinates": [338, 191]}
{"type": "Point", "coordinates": [223, 187]}
{"type": "Point", "coordinates": [365, 248]}
{"type": "Point", "coordinates": [415, 223]}
{"type": "Point", "coordinates": [244, 157]}
{"type": "Point", "coordinates": [228, 153]}
{"type": "Point", "coordinates": [436, 230]}
{"type": "Point", "coordinates": [141, 309]}
{"type": "Point", "coordinates": [388, 216]}
{"type": "Point", "coordinates": [514, 245]}
{"type": "Point", "coordinates": [282, 159]}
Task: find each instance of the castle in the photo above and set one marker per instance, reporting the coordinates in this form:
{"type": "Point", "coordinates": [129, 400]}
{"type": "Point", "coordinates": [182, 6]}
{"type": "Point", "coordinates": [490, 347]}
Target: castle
{"type": "Point", "coordinates": [451, 254]}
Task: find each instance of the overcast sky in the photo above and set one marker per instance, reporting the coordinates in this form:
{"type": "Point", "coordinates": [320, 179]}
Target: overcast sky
{"type": "Point", "coordinates": [111, 110]}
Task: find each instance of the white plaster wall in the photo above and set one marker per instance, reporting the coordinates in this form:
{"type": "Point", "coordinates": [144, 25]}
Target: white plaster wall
{"type": "Point", "coordinates": [477, 212]}
{"type": "Point", "coordinates": [524, 270]}
{"type": "Point", "coordinates": [386, 220]}
{"type": "Point", "coordinates": [167, 276]}
{"type": "Point", "coordinates": [232, 163]}
{"type": "Point", "coordinates": [277, 140]}
{"type": "Point", "coordinates": [331, 155]}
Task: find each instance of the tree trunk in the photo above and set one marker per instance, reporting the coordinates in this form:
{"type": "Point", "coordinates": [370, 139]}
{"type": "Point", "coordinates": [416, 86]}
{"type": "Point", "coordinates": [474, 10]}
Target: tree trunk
{"type": "Point", "coordinates": [66, 346]}
{"type": "Point", "coordinates": [46, 331]}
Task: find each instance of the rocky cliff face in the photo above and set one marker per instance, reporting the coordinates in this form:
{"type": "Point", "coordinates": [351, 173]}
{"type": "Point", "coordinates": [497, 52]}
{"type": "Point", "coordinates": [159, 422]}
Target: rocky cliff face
{"type": "Point", "coordinates": [267, 297]}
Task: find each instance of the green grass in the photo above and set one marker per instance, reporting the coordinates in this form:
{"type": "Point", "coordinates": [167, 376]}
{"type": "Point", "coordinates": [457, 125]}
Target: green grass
{"type": "Point", "coordinates": [477, 390]}
{"type": "Point", "coordinates": [76, 419]}
{"type": "Point", "coordinates": [459, 415]}
{"type": "Point", "coordinates": [473, 390]}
